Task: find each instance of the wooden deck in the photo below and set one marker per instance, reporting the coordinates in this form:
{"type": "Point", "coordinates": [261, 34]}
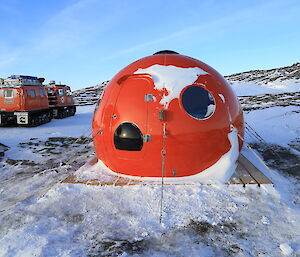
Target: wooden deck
{"type": "Point", "coordinates": [246, 174]}
{"type": "Point", "coordinates": [106, 179]}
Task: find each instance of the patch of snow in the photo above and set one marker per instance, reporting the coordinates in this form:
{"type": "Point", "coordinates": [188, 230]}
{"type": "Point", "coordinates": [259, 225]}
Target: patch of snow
{"type": "Point", "coordinates": [222, 97]}
{"type": "Point", "coordinates": [73, 126]}
{"type": "Point", "coordinates": [277, 125]}
{"type": "Point", "coordinates": [171, 78]}
{"type": "Point", "coordinates": [210, 110]}
{"type": "Point", "coordinates": [286, 249]}
{"type": "Point", "coordinates": [252, 88]}
{"type": "Point", "coordinates": [265, 220]}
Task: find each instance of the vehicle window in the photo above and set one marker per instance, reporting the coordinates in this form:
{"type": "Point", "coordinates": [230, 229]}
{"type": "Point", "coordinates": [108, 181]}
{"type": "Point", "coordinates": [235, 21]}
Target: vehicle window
{"type": "Point", "coordinates": [60, 91]}
{"type": "Point", "coordinates": [8, 93]}
{"type": "Point", "coordinates": [1, 92]}
{"type": "Point", "coordinates": [32, 93]}
{"type": "Point", "coordinates": [198, 102]}
{"type": "Point", "coordinates": [42, 94]}
{"type": "Point", "coordinates": [128, 137]}
{"type": "Point", "coordinates": [68, 92]}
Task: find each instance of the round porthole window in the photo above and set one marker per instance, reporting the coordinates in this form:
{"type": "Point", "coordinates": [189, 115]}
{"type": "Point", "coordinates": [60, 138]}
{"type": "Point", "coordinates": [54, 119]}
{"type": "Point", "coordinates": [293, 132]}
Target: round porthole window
{"type": "Point", "coordinates": [198, 102]}
{"type": "Point", "coordinates": [128, 137]}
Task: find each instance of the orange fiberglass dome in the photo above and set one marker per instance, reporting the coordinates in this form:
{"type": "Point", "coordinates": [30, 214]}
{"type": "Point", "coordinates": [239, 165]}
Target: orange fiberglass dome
{"type": "Point", "coordinates": [169, 115]}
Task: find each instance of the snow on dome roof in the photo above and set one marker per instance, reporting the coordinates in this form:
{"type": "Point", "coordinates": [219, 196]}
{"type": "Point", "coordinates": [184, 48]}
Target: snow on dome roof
{"type": "Point", "coordinates": [172, 78]}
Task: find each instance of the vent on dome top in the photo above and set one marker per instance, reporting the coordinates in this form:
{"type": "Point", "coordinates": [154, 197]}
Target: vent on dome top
{"type": "Point", "coordinates": [166, 52]}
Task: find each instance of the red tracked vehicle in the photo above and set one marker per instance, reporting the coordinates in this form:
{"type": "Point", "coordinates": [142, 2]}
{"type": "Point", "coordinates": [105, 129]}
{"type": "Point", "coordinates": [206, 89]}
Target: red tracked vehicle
{"type": "Point", "coordinates": [23, 101]}
{"type": "Point", "coordinates": [60, 100]}
{"type": "Point", "coordinates": [172, 116]}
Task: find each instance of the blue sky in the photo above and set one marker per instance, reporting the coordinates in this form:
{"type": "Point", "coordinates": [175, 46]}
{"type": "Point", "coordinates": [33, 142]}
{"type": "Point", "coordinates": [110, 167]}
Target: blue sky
{"type": "Point", "coordinates": [84, 42]}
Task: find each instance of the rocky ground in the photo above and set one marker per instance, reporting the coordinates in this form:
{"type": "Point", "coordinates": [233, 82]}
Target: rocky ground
{"type": "Point", "coordinates": [258, 102]}
{"type": "Point", "coordinates": [267, 76]}
{"type": "Point", "coordinates": [89, 95]}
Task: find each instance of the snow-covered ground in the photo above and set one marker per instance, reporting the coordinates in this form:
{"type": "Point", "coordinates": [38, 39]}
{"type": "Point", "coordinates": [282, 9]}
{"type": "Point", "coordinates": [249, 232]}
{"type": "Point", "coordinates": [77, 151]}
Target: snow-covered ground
{"type": "Point", "coordinates": [39, 216]}
{"type": "Point", "coordinates": [72, 127]}
{"type": "Point", "coordinates": [277, 125]}
{"type": "Point", "coordinates": [242, 88]}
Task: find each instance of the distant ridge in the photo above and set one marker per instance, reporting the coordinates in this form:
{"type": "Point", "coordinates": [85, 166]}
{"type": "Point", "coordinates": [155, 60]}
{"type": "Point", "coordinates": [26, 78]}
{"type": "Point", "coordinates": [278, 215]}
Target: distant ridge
{"type": "Point", "coordinates": [265, 76]}
{"type": "Point", "coordinates": [89, 95]}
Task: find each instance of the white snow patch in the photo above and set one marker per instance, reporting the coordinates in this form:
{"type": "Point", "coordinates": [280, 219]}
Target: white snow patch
{"type": "Point", "coordinates": [74, 126]}
{"type": "Point", "coordinates": [278, 125]}
{"type": "Point", "coordinates": [222, 97]}
{"type": "Point", "coordinates": [210, 110]}
{"type": "Point", "coordinates": [252, 88]}
{"type": "Point", "coordinates": [171, 78]}
{"type": "Point", "coordinates": [286, 249]}
{"type": "Point", "coordinates": [223, 169]}
{"type": "Point", "coordinates": [265, 220]}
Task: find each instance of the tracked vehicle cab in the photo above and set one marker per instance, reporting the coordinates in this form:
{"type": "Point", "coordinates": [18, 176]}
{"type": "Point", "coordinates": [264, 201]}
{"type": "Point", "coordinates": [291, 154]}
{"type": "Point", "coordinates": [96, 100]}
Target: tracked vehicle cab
{"type": "Point", "coordinates": [23, 101]}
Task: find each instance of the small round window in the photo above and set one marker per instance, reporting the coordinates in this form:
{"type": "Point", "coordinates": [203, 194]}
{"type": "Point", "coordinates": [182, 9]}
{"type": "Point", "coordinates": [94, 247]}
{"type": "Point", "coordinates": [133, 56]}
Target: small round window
{"type": "Point", "coordinates": [128, 137]}
{"type": "Point", "coordinates": [198, 102]}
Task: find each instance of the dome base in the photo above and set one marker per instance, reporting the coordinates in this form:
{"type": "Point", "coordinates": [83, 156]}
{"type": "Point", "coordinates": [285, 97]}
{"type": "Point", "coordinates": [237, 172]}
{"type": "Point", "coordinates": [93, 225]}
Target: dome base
{"type": "Point", "coordinates": [95, 173]}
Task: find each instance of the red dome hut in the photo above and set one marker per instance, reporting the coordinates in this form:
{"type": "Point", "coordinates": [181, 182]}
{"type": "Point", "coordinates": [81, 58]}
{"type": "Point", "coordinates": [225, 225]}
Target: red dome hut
{"type": "Point", "coordinates": [172, 116]}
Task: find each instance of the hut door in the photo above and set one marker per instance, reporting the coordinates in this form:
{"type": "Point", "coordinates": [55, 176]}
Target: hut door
{"type": "Point", "coordinates": [129, 120]}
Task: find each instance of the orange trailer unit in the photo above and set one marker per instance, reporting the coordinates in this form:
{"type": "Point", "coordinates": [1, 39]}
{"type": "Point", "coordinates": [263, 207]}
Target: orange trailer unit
{"type": "Point", "coordinates": [60, 100]}
{"type": "Point", "coordinates": [23, 101]}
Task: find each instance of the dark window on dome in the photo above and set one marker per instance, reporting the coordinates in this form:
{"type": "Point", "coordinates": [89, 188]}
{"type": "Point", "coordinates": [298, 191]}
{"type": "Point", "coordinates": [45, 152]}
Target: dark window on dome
{"type": "Point", "coordinates": [198, 102]}
{"type": "Point", "coordinates": [128, 137]}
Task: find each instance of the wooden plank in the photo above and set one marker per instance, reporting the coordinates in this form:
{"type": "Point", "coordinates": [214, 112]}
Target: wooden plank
{"type": "Point", "coordinates": [111, 181]}
{"type": "Point", "coordinates": [254, 171]}
{"type": "Point", "coordinates": [92, 161]}
{"type": "Point", "coordinates": [235, 179]}
{"type": "Point", "coordinates": [122, 181]}
{"type": "Point", "coordinates": [244, 175]}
